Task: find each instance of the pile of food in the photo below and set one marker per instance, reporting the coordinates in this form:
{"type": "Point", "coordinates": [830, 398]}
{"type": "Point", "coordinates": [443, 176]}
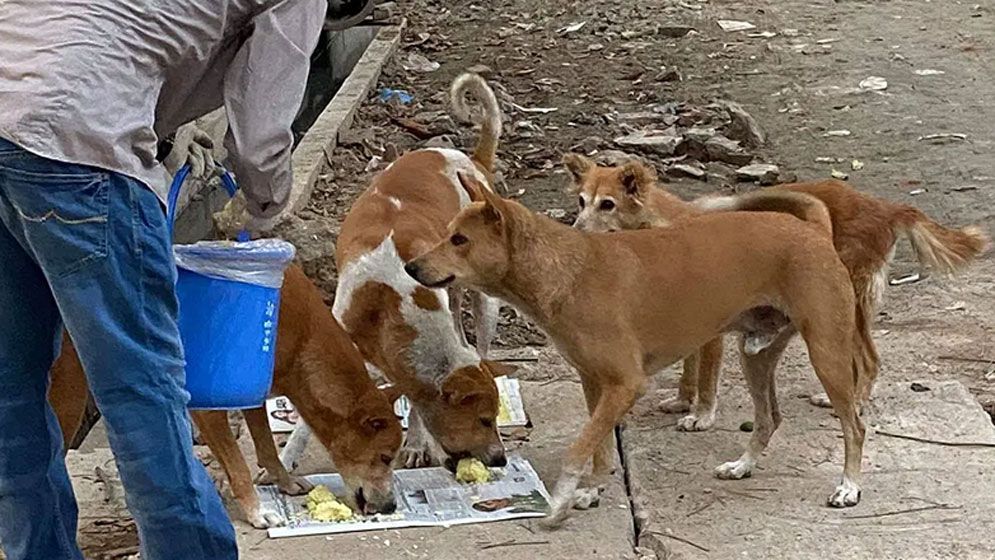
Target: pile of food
{"type": "Point", "coordinates": [323, 506]}
{"type": "Point", "coordinates": [472, 471]}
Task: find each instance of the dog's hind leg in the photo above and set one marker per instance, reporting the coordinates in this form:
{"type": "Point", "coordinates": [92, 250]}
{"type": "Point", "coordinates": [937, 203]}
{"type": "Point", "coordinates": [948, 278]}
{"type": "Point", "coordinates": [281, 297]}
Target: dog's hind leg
{"type": "Point", "coordinates": [687, 391]}
{"type": "Point", "coordinates": [758, 369]}
{"type": "Point", "coordinates": [485, 317]}
{"type": "Point", "coordinates": [214, 429]}
{"type": "Point", "coordinates": [616, 398]}
{"type": "Point", "coordinates": [269, 460]}
{"type": "Point", "coordinates": [703, 416]}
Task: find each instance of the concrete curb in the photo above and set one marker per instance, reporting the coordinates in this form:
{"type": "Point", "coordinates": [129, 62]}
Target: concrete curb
{"type": "Point", "coordinates": [311, 154]}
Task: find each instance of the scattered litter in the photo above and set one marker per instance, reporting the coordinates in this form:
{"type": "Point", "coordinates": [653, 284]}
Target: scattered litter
{"type": "Point", "coordinates": [956, 306]}
{"type": "Point", "coordinates": [789, 32]}
{"type": "Point", "coordinates": [827, 41]}
{"type": "Point", "coordinates": [856, 165]}
{"type": "Point", "coordinates": [963, 188]}
{"type": "Point", "coordinates": [387, 94]}
{"type": "Point", "coordinates": [731, 25]}
{"type": "Point", "coordinates": [943, 137]}
{"type": "Point", "coordinates": [843, 132]}
{"type": "Point", "coordinates": [823, 159]}
{"type": "Point", "coordinates": [419, 63]}
{"type": "Point", "coordinates": [928, 72]}
{"type": "Point", "coordinates": [918, 388]}
{"type": "Point", "coordinates": [762, 35]}
{"type": "Point", "coordinates": [763, 173]}
{"type": "Point", "coordinates": [917, 192]}
{"type": "Point", "coordinates": [746, 426]}
{"type": "Point", "coordinates": [874, 83]}
{"type": "Point", "coordinates": [837, 174]}
{"type": "Point", "coordinates": [573, 27]}
{"type": "Point", "coordinates": [542, 110]}
{"type": "Point", "coordinates": [907, 279]}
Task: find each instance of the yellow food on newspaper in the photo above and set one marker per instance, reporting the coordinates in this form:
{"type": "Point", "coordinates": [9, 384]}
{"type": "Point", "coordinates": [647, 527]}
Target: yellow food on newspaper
{"type": "Point", "coordinates": [322, 506]}
{"type": "Point", "coordinates": [472, 471]}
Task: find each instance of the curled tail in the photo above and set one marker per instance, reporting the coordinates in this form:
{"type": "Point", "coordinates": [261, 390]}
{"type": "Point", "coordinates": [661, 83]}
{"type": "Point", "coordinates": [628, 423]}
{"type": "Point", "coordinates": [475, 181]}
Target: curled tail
{"type": "Point", "coordinates": [944, 249]}
{"type": "Point", "coordinates": [489, 118]}
{"type": "Point", "coordinates": [800, 205]}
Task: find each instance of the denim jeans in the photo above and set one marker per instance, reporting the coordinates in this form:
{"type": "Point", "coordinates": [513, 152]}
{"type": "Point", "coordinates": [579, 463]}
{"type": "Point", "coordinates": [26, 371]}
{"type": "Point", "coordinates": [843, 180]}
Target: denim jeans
{"type": "Point", "coordinates": [88, 249]}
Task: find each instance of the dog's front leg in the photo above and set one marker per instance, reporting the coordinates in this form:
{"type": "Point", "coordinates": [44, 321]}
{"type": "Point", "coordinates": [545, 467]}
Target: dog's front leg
{"type": "Point", "coordinates": [273, 470]}
{"type": "Point", "coordinates": [687, 391]}
{"type": "Point", "coordinates": [485, 318]}
{"type": "Point", "coordinates": [214, 429]}
{"type": "Point", "coordinates": [456, 308]}
{"type": "Point", "coordinates": [418, 448]}
{"type": "Point", "coordinates": [589, 494]}
{"type": "Point", "coordinates": [614, 401]}
{"type": "Point", "coordinates": [709, 364]}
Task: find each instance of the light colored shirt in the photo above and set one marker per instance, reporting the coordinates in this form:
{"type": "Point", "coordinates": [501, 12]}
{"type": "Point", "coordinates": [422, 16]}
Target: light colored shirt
{"type": "Point", "coordinates": [98, 82]}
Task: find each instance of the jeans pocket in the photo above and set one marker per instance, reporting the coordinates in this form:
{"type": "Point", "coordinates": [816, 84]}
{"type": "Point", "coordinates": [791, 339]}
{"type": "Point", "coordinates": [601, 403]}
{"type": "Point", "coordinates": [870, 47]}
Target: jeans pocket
{"type": "Point", "coordinates": [64, 215]}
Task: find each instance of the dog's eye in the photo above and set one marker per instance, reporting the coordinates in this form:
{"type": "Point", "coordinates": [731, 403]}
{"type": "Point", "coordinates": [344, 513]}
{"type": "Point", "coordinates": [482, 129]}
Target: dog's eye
{"type": "Point", "coordinates": [580, 201]}
{"type": "Point", "coordinates": [458, 239]}
{"type": "Point", "coordinates": [487, 423]}
{"type": "Point", "coordinates": [386, 459]}
{"type": "Point", "coordinates": [607, 205]}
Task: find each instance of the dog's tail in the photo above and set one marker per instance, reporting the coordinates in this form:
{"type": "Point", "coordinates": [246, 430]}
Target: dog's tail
{"type": "Point", "coordinates": [800, 205]}
{"type": "Point", "coordinates": [941, 248]}
{"type": "Point", "coordinates": [489, 118]}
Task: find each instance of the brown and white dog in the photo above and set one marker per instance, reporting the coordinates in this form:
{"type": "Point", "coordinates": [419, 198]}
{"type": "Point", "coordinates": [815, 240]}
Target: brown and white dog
{"type": "Point", "coordinates": [321, 372]}
{"type": "Point", "coordinates": [411, 333]}
{"type": "Point", "coordinates": [621, 306]}
{"type": "Point", "coordinates": [865, 231]}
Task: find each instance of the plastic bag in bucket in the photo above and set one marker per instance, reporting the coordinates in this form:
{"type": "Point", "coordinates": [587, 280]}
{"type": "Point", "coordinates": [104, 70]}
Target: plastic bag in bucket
{"type": "Point", "coordinates": [229, 294]}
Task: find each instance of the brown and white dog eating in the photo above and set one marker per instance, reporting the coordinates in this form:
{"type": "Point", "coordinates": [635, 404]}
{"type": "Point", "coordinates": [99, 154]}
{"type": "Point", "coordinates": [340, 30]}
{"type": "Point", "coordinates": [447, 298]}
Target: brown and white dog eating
{"type": "Point", "coordinates": [321, 372]}
{"type": "Point", "coordinates": [865, 230]}
{"type": "Point", "coordinates": [622, 306]}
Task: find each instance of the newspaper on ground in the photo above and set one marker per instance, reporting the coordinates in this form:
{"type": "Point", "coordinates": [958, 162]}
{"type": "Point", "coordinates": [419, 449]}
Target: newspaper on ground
{"type": "Point", "coordinates": [425, 498]}
{"type": "Point", "coordinates": [283, 417]}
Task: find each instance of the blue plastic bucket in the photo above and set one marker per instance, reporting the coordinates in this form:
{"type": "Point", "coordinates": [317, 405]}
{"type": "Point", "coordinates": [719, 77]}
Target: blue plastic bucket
{"type": "Point", "coordinates": [229, 294]}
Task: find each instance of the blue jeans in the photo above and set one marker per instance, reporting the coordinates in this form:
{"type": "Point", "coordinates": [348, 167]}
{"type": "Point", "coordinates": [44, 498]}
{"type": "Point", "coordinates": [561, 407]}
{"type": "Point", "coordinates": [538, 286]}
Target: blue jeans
{"type": "Point", "coordinates": [88, 249]}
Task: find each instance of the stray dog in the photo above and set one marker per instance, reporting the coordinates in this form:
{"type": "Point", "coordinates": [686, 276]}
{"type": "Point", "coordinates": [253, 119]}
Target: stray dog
{"type": "Point", "coordinates": [865, 230]}
{"type": "Point", "coordinates": [321, 372]}
{"type": "Point", "coordinates": [410, 333]}
{"type": "Point", "coordinates": [621, 306]}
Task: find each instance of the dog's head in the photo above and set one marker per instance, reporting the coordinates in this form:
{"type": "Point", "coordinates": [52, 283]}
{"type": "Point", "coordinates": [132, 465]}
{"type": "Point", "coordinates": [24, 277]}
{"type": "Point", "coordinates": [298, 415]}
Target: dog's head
{"type": "Point", "coordinates": [475, 252]}
{"type": "Point", "coordinates": [363, 443]}
{"type": "Point", "coordinates": [609, 198]}
{"type": "Point", "coordinates": [462, 416]}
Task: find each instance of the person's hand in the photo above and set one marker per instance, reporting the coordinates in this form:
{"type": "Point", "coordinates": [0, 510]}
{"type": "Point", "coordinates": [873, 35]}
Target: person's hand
{"type": "Point", "coordinates": [192, 146]}
{"type": "Point", "coordinates": [235, 218]}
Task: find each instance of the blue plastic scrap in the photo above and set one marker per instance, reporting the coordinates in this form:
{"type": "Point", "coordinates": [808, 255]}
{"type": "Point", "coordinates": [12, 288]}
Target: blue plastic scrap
{"type": "Point", "coordinates": [385, 95]}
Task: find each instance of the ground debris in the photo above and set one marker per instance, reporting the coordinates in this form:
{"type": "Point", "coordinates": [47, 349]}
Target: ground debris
{"type": "Point", "coordinates": [763, 173]}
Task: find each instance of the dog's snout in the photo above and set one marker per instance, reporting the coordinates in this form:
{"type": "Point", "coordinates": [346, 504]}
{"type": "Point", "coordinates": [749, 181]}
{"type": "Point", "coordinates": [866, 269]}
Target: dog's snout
{"type": "Point", "coordinates": [412, 269]}
{"type": "Point", "coordinates": [498, 461]}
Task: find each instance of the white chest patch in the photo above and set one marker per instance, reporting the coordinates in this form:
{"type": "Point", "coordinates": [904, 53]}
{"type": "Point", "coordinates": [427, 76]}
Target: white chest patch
{"type": "Point", "coordinates": [436, 351]}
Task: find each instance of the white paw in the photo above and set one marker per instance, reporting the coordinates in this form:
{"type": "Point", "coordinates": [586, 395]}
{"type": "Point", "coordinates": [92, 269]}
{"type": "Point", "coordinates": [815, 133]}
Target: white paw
{"type": "Point", "coordinates": [696, 423]}
{"type": "Point", "coordinates": [265, 519]}
{"type": "Point", "coordinates": [295, 486]}
{"type": "Point", "coordinates": [675, 404]}
{"type": "Point", "coordinates": [820, 400]}
{"type": "Point", "coordinates": [415, 456]}
{"type": "Point", "coordinates": [558, 511]}
{"type": "Point", "coordinates": [587, 498]}
{"type": "Point", "coordinates": [847, 494]}
{"type": "Point", "coordinates": [734, 470]}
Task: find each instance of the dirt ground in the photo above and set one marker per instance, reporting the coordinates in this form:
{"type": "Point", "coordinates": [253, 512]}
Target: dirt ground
{"type": "Point", "coordinates": [571, 87]}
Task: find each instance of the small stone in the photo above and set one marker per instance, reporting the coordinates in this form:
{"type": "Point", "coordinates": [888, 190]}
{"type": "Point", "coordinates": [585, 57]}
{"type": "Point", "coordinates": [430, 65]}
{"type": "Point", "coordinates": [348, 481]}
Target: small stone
{"type": "Point", "coordinates": [481, 69]}
{"type": "Point", "coordinates": [668, 75]}
{"type": "Point", "coordinates": [685, 170]}
{"type": "Point", "coordinates": [763, 173]}
{"type": "Point", "coordinates": [746, 426]}
{"type": "Point", "coordinates": [743, 127]}
{"type": "Point", "coordinates": [655, 141]}
{"type": "Point", "coordinates": [856, 165]}
{"type": "Point", "coordinates": [720, 148]}
{"type": "Point", "coordinates": [837, 174]}
{"type": "Point", "coordinates": [675, 31]}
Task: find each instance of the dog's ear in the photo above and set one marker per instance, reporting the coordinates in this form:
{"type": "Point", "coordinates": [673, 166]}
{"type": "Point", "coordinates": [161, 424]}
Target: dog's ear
{"type": "Point", "coordinates": [465, 386]}
{"type": "Point", "coordinates": [578, 166]}
{"type": "Point", "coordinates": [636, 178]}
{"type": "Point", "coordinates": [494, 204]}
{"type": "Point", "coordinates": [498, 369]}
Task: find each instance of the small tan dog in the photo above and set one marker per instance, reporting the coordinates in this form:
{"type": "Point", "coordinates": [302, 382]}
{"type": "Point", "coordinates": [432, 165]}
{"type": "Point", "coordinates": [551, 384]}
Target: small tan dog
{"type": "Point", "coordinates": [622, 306]}
{"type": "Point", "coordinates": [409, 332]}
{"type": "Point", "coordinates": [322, 373]}
{"type": "Point", "coordinates": [865, 230]}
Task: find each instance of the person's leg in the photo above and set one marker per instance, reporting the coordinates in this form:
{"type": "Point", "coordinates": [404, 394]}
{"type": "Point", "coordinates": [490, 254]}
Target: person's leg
{"type": "Point", "coordinates": [101, 240]}
{"type": "Point", "coordinates": [37, 507]}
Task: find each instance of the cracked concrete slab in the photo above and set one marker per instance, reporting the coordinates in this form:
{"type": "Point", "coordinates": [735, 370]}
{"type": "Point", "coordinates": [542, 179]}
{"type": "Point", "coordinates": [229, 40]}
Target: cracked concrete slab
{"type": "Point", "coordinates": [920, 500]}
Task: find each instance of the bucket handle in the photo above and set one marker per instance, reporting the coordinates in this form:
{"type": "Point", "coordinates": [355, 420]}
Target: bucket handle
{"type": "Point", "coordinates": [227, 180]}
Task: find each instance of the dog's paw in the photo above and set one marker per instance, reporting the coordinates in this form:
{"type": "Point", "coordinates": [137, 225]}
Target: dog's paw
{"type": "Point", "coordinates": [587, 498]}
{"type": "Point", "coordinates": [821, 400]}
{"type": "Point", "coordinates": [415, 456]}
{"type": "Point", "coordinates": [558, 512]}
{"type": "Point", "coordinates": [696, 423]}
{"type": "Point", "coordinates": [265, 519]}
{"type": "Point", "coordinates": [295, 486]}
{"type": "Point", "coordinates": [847, 494]}
{"type": "Point", "coordinates": [734, 470]}
{"type": "Point", "coordinates": [675, 404]}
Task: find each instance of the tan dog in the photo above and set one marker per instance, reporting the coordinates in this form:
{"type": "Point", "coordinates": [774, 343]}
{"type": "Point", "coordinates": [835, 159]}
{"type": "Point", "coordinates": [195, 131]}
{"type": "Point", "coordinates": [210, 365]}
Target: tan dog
{"type": "Point", "coordinates": [865, 230]}
{"type": "Point", "coordinates": [411, 333]}
{"type": "Point", "coordinates": [622, 306]}
{"type": "Point", "coordinates": [322, 373]}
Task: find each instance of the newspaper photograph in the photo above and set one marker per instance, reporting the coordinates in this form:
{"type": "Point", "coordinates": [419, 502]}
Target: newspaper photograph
{"type": "Point", "coordinates": [283, 418]}
{"type": "Point", "coordinates": [428, 497]}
